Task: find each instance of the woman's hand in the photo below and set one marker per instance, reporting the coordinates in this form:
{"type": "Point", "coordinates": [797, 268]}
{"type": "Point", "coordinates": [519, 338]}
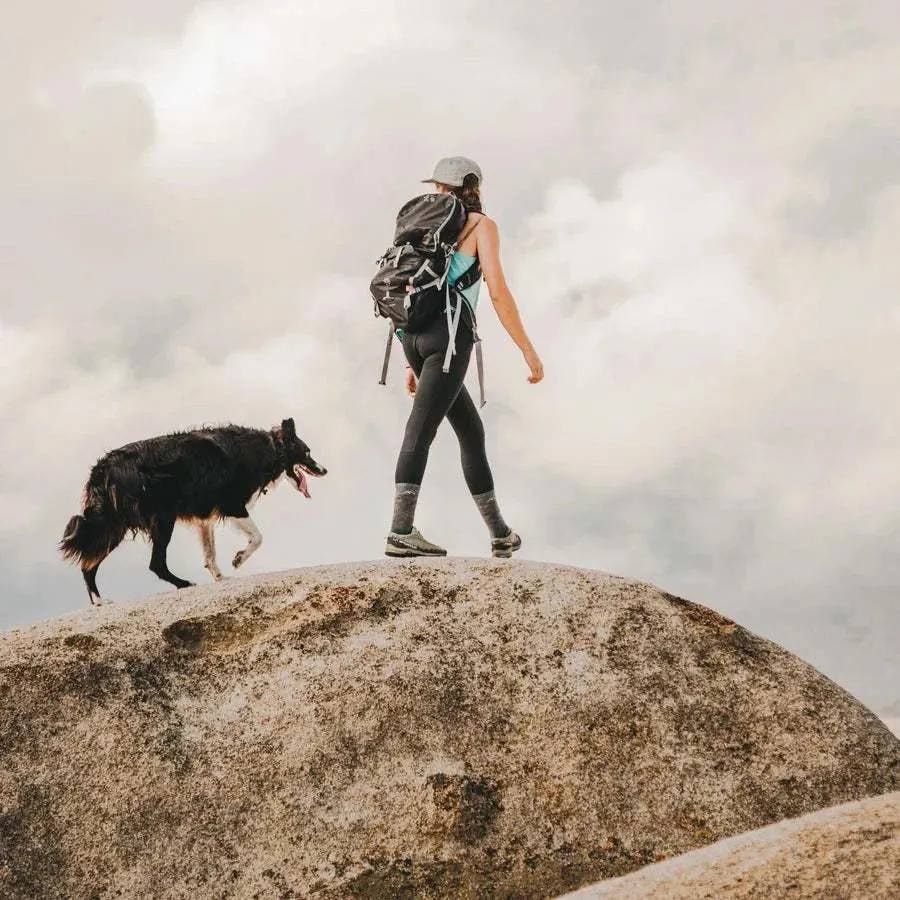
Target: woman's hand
{"type": "Point", "coordinates": [535, 364]}
{"type": "Point", "coordinates": [410, 382]}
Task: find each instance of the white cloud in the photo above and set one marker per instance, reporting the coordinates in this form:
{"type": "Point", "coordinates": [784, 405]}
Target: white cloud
{"type": "Point", "coordinates": [240, 66]}
{"type": "Point", "coordinates": [651, 307]}
{"type": "Point", "coordinates": [23, 361]}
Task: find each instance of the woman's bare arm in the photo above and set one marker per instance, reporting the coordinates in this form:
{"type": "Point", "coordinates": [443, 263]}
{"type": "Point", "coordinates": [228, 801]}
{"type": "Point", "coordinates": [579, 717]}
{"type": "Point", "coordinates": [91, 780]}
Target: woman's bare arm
{"type": "Point", "coordinates": [488, 249]}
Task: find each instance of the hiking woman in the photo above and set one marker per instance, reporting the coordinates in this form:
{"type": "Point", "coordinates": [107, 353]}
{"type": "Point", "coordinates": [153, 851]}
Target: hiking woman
{"type": "Point", "coordinates": [438, 394]}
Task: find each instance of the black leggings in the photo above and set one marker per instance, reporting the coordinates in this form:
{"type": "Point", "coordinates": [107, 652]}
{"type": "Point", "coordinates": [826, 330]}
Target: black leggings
{"type": "Point", "coordinates": [440, 394]}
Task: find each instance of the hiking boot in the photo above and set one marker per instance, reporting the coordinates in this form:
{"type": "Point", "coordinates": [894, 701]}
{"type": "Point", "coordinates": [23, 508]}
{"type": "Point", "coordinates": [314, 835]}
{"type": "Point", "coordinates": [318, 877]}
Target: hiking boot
{"type": "Point", "coordinates": [505, 547]}
{"type": "Point", "coordinates": [412, 544]}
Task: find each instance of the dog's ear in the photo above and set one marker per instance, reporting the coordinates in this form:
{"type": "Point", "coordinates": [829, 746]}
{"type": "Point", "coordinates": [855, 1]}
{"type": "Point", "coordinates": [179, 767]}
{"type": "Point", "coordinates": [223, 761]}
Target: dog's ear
{"type": "Point", "coordinates": [287, 429]}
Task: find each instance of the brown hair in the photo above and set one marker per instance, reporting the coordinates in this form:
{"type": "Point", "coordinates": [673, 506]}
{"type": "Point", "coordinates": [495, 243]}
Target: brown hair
{"type": "Point", "coordinates": [469, 193]}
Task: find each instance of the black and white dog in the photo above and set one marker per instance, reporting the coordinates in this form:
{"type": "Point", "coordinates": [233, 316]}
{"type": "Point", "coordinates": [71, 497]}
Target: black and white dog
{"type": "Point", "coordinates": [197, 476]}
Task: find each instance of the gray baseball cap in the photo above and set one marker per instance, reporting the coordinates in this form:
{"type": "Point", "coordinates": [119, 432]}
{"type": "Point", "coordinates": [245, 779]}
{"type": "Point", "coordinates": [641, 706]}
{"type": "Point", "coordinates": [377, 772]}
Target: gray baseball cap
{"type": "Point", "coordinates": [452, 170]}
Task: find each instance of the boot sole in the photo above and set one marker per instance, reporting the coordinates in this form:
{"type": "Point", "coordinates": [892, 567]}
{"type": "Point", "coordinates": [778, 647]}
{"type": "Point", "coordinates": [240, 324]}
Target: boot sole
{"type": "Point", "coordinates": [505, 552]}
{"type": "Point", "coordinates": [408, 551]}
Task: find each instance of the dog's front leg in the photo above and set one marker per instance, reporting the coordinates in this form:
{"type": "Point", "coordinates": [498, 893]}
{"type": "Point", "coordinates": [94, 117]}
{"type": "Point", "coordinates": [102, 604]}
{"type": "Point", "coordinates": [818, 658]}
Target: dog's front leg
{"type": "Point", "coordinates": [208, 540]}
{"type": "Point", "coordinates": [254, 539]}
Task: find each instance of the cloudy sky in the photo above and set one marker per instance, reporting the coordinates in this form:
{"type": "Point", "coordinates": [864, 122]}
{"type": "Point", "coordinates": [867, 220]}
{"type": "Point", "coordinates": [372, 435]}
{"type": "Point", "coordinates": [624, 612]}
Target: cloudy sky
{"type": "Point", "coordinates": [699, 205]}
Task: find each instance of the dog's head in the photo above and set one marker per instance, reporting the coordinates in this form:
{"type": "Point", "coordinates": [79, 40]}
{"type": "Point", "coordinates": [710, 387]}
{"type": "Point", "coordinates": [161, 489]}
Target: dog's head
{"type": "Point", "coordinates": [297, 460]}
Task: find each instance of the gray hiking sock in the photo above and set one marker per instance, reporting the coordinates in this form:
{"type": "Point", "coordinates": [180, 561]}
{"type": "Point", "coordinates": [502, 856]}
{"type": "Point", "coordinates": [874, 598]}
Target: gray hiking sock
{"type": "Point", "coordinates": [490, 512]}
{"type": "Point", "coordinates": [405, 497]}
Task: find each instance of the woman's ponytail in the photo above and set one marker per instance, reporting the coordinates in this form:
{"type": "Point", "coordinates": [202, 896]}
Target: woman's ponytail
{"type": "Point", "coordinates": [470, 193]}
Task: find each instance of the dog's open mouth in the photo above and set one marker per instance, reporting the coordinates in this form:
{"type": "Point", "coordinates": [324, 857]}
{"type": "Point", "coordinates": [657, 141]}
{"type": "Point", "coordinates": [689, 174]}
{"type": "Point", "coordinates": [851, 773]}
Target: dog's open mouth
{"type": "Point", "coordinates": [299, 473]}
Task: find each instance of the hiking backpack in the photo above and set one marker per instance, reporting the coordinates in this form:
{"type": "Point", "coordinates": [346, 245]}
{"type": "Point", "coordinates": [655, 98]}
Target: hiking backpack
{"type": "Point", "coordinates": [410, 286]}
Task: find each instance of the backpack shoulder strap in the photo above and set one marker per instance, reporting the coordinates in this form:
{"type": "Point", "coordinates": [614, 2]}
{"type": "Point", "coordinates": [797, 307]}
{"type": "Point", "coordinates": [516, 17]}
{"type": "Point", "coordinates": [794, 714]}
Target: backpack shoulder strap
{"type": "Point", "coordinates": [469, 277]}
{"type": "Point", "coordinates": [473, 273]}
{"type": "Point", "coordinates": [468, 231]}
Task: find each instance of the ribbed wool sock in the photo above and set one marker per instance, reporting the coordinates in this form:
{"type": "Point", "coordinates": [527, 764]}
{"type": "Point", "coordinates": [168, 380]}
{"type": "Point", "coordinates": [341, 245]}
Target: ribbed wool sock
{"type": "Point", "coordinates": [490, 512]}
{"type": "Point", "coordinates": [405, 498]}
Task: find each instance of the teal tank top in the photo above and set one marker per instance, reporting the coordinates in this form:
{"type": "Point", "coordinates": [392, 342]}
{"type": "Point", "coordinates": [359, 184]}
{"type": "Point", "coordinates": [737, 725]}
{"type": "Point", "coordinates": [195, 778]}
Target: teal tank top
{"type": "Point", "coordinates": [460, 263]}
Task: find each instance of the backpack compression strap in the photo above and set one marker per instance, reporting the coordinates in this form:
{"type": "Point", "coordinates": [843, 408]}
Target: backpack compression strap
{"type": "Point", "coordinates": [387, 353]}
{"type": "Point", "coordinates": [479, 362]}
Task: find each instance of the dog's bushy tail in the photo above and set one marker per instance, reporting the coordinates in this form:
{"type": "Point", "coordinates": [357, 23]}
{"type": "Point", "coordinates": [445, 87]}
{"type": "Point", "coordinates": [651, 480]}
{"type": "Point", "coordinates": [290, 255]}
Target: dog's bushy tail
{"type": "Point", "coordinates": [91, 536]}
{"type": "Point", "coordinates": [89, 539]}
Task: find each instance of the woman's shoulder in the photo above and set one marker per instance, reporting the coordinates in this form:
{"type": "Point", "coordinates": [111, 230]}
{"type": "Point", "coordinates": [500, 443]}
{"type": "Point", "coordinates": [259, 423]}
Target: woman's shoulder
{"type": "Point", "coordinates": [474, 224]}
{"type": "Point", "coordinates": [478, 226]}
{"type": "Point", "coordinates": [480, 221]}
{"type": "Point", "coordinates": [485, 227]}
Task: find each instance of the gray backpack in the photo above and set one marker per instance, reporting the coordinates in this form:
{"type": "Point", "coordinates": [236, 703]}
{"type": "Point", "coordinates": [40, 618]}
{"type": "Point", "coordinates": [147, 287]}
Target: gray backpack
{"type": "Point", "coordinates": [410, 286]}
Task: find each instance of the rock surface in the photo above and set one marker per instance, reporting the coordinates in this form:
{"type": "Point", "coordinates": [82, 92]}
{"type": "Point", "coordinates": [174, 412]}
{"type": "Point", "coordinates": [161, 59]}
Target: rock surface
{"type": "Point", "coordinates": [851, 852]}
{"type": "Point", "coordinates": [433, 729]}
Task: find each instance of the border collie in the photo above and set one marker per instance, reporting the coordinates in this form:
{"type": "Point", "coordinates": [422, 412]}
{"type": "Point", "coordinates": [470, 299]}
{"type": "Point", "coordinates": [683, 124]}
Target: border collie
{"type": "Point", "coordinates": [196, 476]}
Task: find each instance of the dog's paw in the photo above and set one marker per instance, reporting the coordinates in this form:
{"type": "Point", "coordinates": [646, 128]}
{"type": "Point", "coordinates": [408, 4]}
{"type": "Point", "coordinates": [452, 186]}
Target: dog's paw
{"type": "Point", "coordinates": [101, 601]}
{"type": "Point", "coordinates": [239, 558]}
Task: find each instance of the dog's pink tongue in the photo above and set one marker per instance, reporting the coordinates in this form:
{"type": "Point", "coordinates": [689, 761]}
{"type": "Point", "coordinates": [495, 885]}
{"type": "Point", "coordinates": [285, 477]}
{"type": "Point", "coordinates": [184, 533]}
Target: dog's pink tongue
{"type": "Point", "coordinates": [302, 484]}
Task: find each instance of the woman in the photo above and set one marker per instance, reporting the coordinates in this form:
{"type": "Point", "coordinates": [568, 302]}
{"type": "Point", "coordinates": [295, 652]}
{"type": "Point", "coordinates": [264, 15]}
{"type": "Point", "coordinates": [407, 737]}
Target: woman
{"type": "Point", "coordinates": [437, 394]}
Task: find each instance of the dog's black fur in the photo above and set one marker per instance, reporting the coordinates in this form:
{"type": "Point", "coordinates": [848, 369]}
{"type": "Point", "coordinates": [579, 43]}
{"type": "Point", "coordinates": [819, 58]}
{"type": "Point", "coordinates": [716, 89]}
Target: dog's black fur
{"type": "Point", "coordinates": [147, 486]}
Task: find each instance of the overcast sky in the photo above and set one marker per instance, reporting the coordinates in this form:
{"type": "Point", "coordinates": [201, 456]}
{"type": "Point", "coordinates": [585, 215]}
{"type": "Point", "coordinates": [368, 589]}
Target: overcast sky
{"type": "Point", "coordinates": [699, 210]}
